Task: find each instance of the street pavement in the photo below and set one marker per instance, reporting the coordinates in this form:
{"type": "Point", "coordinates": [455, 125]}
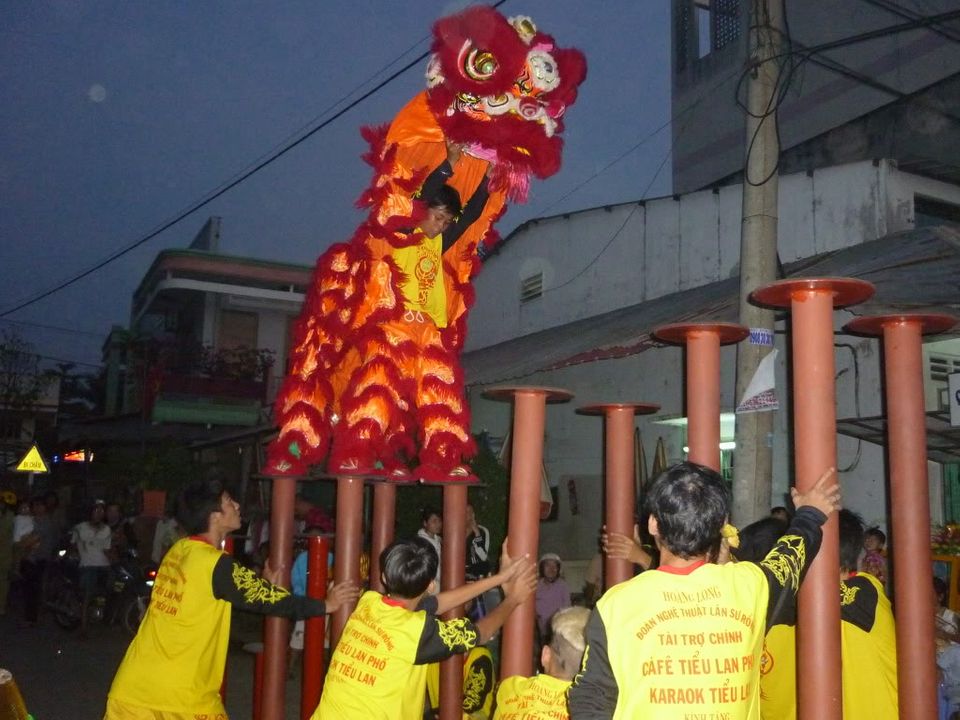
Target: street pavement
{"type": "Point", "coordinates": [62, 677]}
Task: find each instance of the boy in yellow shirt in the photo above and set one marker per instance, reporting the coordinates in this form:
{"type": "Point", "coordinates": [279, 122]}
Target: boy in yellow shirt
{"type": "Point", "coordinates": [545, 695]}
{"type": "Point", "coordinates": [173, 669]}
{"type": "Point", "coordinates": [379, 668]}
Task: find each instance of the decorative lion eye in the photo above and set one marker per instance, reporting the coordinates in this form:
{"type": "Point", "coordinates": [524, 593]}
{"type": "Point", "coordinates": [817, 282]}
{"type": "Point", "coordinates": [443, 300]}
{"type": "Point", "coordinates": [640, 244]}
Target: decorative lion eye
{"type": "Point", "coordinates": [467, 98]}
{"type": "Point", "coordinates": [480, 64]}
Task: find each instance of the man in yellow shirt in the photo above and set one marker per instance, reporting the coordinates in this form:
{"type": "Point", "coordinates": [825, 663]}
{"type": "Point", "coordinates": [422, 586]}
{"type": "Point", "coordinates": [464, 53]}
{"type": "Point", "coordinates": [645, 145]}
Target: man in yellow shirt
{"type": "Point", "coordinates": [545, 695]}
{"type": "Point", "coordinates": [173, 669]}
{"type": "Point", "coordinates": [379, 668]}
{"type": "Point", "coordinates": [686, 638]}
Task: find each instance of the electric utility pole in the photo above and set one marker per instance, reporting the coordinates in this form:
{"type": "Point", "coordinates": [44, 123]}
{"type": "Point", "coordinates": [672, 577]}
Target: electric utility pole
{"type": "Point", "coordinates": [753, 457]}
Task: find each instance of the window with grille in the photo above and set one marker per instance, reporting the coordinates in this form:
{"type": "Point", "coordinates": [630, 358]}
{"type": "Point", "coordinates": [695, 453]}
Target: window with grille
{"type": "Point", "coordinates": [725, 22]}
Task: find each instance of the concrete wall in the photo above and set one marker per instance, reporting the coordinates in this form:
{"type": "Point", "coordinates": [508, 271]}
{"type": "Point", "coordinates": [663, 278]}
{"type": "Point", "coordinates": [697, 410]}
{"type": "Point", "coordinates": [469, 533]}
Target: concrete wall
{"type": "Point", "coordinates": [607, 258]}
{"type": "Point", "coordinates": [709, 139]}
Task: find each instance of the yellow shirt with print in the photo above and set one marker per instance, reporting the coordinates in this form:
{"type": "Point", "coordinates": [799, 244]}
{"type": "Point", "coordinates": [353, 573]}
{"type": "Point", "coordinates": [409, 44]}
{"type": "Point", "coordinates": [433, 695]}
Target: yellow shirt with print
{"type": "Point", "coordinates": [423, 282]}
{"type": "Point", "coordinates": [176, 661]}
{"type": "Point", "coordinates": [378, 670]}
{"type": "Point", "coordinates": [523, 698]}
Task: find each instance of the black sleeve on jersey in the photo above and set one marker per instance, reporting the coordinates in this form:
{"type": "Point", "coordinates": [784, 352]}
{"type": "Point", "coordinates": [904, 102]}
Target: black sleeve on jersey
{"type": "Point", "coordinates": [787, 563]}
{"type": "Point", "coordinates": [471, 213]}
{"type": "Point", "coordinates": [243, 588]}
{"type": "Point", "coordinates": [435, 180]}
{"type": "Point", "coordinates": [858, 602]}
{"type": "Point", "coordinates": [594, 691]}
{"type": "Point", "coordinates": [441, 639]}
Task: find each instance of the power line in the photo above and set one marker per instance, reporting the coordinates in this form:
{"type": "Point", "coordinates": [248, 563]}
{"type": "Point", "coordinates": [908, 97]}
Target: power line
{"type": "Point", "coordinates": [57, 328]}
{"type": "Point", "coordinates": [224, 188]}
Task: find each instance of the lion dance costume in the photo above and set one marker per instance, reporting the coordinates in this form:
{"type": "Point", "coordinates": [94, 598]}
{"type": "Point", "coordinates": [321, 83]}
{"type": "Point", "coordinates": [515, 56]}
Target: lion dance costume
{"type": "Point", "coordinates": [373, 383]}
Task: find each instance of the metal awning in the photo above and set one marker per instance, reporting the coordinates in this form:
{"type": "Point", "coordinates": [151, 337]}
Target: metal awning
{"type": "Point", "coordinates": [943, 441]}
{"type": "Point", "coordinates": [912, 270]}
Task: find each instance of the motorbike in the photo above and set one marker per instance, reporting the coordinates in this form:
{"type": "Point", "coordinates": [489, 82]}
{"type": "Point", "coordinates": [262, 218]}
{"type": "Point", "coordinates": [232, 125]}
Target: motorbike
{"type": "Point", "coordinates": [123, 603]}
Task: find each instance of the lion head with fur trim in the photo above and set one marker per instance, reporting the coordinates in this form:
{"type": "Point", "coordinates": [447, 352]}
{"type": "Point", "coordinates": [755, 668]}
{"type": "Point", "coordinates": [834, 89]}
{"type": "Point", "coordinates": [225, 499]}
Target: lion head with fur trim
{"type": "Point", "coordinates": [501, 87]}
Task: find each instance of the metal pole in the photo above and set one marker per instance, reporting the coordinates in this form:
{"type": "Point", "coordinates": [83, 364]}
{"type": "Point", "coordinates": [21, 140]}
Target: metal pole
{"type": "Point", "coordinates": [276, 630]}
{"type": "Point", "coordinates": [346, 553]}
{"type": "Point", "coordinates": [815, 437]}
{"type": "Point", "coordinates": [318, 548]}
{"type": "Point", "coordinates": [452, 575]}
{"type": "Point", "coordinates": [703, 341]}
{"type": "Point", "coordinates": [621, 500]}
{"type": "Point", "coordinates": [909, 502]}
{"type": "Point", "coordinates": [523, 521]}
{"type": "Point", "coordinates": [382, 528]}
{"type": "Point", "coordinates": [758, 257]}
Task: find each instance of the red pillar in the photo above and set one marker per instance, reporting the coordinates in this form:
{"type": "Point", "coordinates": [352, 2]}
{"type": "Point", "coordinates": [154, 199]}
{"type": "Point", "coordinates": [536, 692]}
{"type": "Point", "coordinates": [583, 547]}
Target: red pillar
{"type": "Point", "coordinates": [276, 630]}
{"type": "Point", "coordinates": [909, 502]}
{"type": "Point", "coordinates": [523, 521]}
{"type": "Point", "coordinates": [621, 498]}
{"type": "Point", "coordinates": [318, 548]}
{"type": "Point", "coordinates": [349, 543]}
{"type": "Point", "coordinates": [812, 301]}
{"type": "Point", "coordinates": [384, 519]}
{"type": "Point", "coordinates": [703, 341]}
{"type": "Point", "coordinates": [452, 575]}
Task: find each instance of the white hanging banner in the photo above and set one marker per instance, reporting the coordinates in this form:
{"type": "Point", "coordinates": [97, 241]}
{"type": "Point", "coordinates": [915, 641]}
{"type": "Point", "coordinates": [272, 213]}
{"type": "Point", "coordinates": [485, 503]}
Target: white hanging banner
{"type": "Point", "coordinates": [761, 393]}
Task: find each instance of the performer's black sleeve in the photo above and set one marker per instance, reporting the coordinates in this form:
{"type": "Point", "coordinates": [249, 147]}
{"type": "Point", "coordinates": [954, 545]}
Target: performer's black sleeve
{"type": "Point", "coordinates": [858, 602]}
{"type": "Point", "coordinates": [435, 180]}
{"type": "Point", "coordinates": [244, 589]}
{"type": "Point", "coordinates": [594, 691]}
{"type": "Point", "coordinates": [441, 639]}
{"type": "Point", "coordinates": [787, 563]}
{"type": "Point", "coordinates": [471, 212]}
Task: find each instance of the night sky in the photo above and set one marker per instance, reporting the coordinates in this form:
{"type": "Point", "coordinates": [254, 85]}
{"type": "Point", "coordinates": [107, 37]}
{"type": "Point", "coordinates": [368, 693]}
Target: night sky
{"type": "Point", "coordinates": [119, 115]}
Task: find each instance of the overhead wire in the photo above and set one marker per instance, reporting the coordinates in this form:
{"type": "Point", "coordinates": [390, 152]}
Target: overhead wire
{"type": "Point", "coordinates": [224, 187]}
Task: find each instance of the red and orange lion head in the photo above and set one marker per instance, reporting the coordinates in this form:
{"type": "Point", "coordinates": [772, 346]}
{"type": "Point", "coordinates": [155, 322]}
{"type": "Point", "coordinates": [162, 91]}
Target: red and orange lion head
{"type": "Point", "coordinates": [500, 86]}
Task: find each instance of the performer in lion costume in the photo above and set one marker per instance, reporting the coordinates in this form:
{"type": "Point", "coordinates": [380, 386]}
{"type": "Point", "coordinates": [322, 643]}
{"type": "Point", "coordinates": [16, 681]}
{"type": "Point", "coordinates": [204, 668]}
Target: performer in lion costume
{"type": "Point", "coordinates": [375, 379]}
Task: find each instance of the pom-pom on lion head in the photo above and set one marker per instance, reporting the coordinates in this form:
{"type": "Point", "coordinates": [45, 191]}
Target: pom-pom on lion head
{"type": "Point", "coordinates": [501, 87]}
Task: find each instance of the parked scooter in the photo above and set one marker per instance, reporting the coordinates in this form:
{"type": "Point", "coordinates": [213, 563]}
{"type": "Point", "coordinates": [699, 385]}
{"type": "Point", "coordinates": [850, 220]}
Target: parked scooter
{"type": "Point", "coordinates": [124, 602]}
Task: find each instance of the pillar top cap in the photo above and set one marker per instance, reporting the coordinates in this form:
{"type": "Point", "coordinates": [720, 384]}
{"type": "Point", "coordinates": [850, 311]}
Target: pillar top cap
{"type": "Point", "coordinates": [679, 333]}
{"type": "Point", "coordinates": [845, 291]}
{"type": "Point", "coordinates": [639, 408]}
{"type": "Point", "coordinates": [509, 392]}
{"type": "Point", "coordinates": [930, 323]}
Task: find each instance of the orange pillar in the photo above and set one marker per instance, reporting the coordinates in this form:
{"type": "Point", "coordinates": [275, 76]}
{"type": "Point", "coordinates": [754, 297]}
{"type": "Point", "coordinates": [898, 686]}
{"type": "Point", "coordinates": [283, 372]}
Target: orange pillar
{"type": "Point", "coordinates": [909, 501]}
{"type": "Point", "coordinates": [276, 630]}
{"type": "Point", "coordinates": [452, 575]}
{"type": "Point", "coordinates": [349, 542]}
{"type": "Point", "coordinates": [703, 341]}
{"type": "Point", "coordinates": [812, 301]}
{"type": "Point", "coordinates": [620, 470]}
{"type": "Point", "coordinates": [381, 531]}
{"type": "Point", "coordinates": [318, 548]}
{"type": "Point", "coordinates": [523, 521]}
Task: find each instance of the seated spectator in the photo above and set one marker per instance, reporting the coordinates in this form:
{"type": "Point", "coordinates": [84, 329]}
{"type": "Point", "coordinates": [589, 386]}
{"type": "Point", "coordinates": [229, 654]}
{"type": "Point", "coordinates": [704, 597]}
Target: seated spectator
{"type": "Point", "coordinates": [874, 559]}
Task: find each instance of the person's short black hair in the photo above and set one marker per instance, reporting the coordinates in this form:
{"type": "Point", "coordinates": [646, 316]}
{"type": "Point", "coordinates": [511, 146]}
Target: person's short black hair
{"type": "Point", "coordinates": [408, 566]}
{"type": "Point", "coordinates": [851, 539]}
{"type": "Point", "coordinates": [877, 533]}
{"type": "Point", "coordinates": [448, 198]}
{"type": "Point", "coordinates": [196, 502]}
{"type": "Point", "coordinates": [428, 512]}
{"type": "Point", "coordinates": [690, 503]}
{"type": "Point", "coordinates": [757, 539]}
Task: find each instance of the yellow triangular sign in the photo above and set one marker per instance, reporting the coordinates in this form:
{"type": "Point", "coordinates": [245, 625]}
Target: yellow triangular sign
{"type": "Point", "coordinates": [33, 462]}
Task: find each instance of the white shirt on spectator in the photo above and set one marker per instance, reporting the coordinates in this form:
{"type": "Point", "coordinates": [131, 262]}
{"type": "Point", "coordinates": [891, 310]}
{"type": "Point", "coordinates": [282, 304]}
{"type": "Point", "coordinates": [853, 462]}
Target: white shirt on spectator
{"type": "Point", "coordinates": [92, 543]}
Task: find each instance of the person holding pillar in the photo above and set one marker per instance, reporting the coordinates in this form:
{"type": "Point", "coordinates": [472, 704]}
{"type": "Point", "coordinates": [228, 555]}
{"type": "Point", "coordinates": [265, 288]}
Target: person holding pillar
{"type": "Point", "coordinates": [687, 638]}
{"type": "Point", "coordinates": [868, 641]}
{"type": "Point", "coordinates": [378, 670]}
{"type": "Point", "coordinates": [174, 666]}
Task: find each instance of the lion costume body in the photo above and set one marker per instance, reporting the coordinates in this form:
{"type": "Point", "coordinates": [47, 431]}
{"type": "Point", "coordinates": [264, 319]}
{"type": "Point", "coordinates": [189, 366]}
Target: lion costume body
{"type": "Point", "coordinates": [371, 381]}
